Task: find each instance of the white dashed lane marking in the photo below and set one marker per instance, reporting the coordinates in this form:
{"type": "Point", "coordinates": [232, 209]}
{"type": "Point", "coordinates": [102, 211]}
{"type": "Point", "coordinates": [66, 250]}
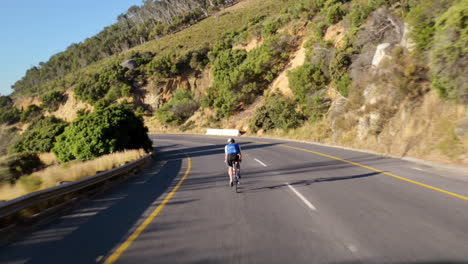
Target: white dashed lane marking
{"type": "Point", "coordinates": [263, 164]}
{"type": "Point", "coordinates": [309, 204]}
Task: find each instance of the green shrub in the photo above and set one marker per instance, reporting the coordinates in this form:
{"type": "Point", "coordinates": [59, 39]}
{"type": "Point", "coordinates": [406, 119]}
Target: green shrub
{"type": "Point", "coordinates": [272, 26]}
{"type": "Point", "coordinates": [241, 76]}
{"type": "Point", "coordinates": [14, 166]}
{"type": "Point", "coordinates": [343, 85]}
{"type": "Point", "coordinates": [104, 85]}
{"type": "Point", "coordinates": [7, 134]}
{"type": "Point", "coordinates": [31, 113]}
{"type": "Point", "coordinates": [179, 109]}
{"type": "Point", "coordinates": [114, 128]}
{"type": "Point", "coordinates": [359, 13]}
{"type": "Point", "coordinates": [9, 115]}
{"type": "Point", "coordinates": [164, 67]}
{"type": "Point", "coordinates": [52, 100]}
{"type": "Point", "coordinates": [306, 80]}
{"type": "Point", "coordinates": [450, 54]}
{"type": "Point", "coordinates": [334, 13]}
{"type": "Point", "coordinates": [422, 17]}
{"type": "Point", "coordinates": [339, 63]}
{"type": "Point", "coordinates": [277, 112]}
{"type": "Point", "coordinates": [40, 135]}
{"type": "Point", "coordinates": [5, 101]}
{"type": "Point", "coordinates": [315, 107]}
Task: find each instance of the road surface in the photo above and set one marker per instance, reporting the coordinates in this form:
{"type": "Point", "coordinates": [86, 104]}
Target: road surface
{"type": "Point", "coordinates": [298, 203]}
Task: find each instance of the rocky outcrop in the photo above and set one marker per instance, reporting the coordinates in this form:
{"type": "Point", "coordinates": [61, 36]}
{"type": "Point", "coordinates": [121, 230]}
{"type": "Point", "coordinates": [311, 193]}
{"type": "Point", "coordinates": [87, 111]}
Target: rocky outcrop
{"type": "Point", "coordinates": [157, 93]}
{"type": "Point", "coordinates": [382, 52]}
{"type": "Point", "coordinates": [129, 64]}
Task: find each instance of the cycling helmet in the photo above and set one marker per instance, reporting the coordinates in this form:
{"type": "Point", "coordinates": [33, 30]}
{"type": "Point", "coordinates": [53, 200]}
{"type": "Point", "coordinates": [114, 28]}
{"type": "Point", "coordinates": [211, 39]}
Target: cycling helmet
{"type": "Point", "coordinates": [230, 140]}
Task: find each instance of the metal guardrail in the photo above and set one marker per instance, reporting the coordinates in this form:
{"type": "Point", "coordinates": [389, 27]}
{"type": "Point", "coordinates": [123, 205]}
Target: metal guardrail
{"type": "Point", "coordinates": [13, 206]}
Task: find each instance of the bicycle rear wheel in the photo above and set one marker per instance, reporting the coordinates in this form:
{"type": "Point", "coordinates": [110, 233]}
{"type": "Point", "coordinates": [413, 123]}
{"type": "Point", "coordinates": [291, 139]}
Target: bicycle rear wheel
{"type": "Point", "coordinates": [235, 176]}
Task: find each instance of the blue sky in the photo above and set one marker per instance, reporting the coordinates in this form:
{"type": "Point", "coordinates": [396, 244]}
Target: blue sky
{"type": "Point", "coordinates": [32, 31]}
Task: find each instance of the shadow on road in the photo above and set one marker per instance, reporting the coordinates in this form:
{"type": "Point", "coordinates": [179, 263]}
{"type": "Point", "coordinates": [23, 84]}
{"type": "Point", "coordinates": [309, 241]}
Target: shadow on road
{"type": "Point", "coordinates": [97, 226]}
{"type": "Point", "coordinates": [318, 180]}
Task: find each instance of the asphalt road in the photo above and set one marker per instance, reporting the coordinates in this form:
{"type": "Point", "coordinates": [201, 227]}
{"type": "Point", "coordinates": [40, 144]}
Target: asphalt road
{"type": "Point", "coordinates": [298, 203]}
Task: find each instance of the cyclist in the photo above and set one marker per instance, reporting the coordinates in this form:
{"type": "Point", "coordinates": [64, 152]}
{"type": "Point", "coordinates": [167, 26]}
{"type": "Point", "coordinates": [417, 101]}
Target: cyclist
{"type": "Point", "coordinates": [232, 153]}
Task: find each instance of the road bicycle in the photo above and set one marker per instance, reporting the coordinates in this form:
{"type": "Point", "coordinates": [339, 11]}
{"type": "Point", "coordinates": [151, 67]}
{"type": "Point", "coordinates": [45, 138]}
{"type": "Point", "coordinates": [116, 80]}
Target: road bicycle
{"type": "Point", "coordinates": [235, 175]}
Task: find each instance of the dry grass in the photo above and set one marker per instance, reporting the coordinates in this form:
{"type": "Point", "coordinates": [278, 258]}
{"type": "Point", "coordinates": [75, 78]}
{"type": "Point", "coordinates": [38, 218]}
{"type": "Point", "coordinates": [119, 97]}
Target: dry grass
{"type": "Point", "coordinates": [72, 171]}
{"type": "Point", "coordinates": [48, 158]}
{"type": "Point", "coordinates": [311, 131]}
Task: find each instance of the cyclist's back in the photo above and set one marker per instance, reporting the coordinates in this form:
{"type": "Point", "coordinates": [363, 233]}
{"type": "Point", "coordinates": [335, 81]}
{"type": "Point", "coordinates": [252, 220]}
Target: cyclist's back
{"type": "Point", "coordinates": [232, 148]}
{"type": "Point", "coordinates": [232, 155]}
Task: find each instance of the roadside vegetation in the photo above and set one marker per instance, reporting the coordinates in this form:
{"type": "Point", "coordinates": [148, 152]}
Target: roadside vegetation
{"type": "Point", "coordinates": [11, 188]}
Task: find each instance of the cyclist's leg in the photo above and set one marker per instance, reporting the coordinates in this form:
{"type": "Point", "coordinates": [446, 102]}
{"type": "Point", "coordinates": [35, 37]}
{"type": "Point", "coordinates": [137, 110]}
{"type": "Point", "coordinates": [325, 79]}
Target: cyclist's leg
{"type": "Point", "coordinates": [230, 161]}
{"type": "Point", "coordinates": [238, 167]}
{"type": "Point", "coordinates": [230, 173]}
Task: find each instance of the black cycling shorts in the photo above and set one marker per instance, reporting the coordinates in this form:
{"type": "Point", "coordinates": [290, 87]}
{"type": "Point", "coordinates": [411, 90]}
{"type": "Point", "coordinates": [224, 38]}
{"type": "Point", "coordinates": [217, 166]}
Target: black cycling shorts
{"type": "Point", "coordinates": [232, 158]}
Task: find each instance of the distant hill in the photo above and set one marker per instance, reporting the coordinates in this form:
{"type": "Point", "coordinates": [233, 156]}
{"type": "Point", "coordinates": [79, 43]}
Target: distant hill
{"type": "Point", "coordinates": [138, 25]}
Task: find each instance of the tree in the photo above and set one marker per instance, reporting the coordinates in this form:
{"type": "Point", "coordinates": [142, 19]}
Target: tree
{"type": "Point", "coordinates": [111, 129]}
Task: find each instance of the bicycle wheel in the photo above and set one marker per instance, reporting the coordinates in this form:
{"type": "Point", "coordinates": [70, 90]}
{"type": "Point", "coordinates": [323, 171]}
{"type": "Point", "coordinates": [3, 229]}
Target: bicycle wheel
{"type": "Point", "coordinates": [235, 176]}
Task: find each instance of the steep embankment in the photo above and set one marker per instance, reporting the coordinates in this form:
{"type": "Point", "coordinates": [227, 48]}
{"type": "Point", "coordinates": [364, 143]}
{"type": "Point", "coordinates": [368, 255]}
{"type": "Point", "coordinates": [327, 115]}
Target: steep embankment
{"type": "Point", "coordinates": [379, 75]}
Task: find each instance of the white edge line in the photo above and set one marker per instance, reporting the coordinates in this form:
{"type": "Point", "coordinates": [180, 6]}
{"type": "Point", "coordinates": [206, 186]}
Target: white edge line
{"type": "Point", "coordinates": [264, 165]}
{"type": "Point", "coordinates": [310, 205]}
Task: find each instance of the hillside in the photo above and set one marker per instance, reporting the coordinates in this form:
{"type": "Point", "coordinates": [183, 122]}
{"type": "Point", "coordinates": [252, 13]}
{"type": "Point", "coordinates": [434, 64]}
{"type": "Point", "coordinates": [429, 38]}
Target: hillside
{"type": "Point", "coordinates": [383, 75]}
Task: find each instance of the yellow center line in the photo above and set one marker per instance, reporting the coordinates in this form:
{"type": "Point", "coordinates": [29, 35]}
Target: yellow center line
{"type": "Point", "coordinates": [122, 248]}
{"type": "Point", "coordinates": [380, 171]}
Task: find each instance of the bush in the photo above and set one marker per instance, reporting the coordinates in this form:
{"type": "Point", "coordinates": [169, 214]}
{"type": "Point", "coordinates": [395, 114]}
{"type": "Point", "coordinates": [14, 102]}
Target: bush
{"type": "Point", "coordinates": [52, 101]}
{"type": "Point", "coordinates": [272, 26]}
{"type": "Point", "coordinates": [278, 112]}
{"type": "Point", "coordinates": [7, 134]}
{"type": "Point", "coordinates": [449, 54]}
{"type": "Point", "coordinates": [40, 136]}
{"type": "Point", "coordinates": [241, 76]}
{"type": "Point", "coordinates": [422, 17]}
{"type": "Point", "coordinates": [306, 80]}
{"type": "Point", "coordinates": [14, 166]}
{"type": "Point", "coordinates": [108, 130]}
{"type": "Point", "coordinates": [339, 63]}
{"type": "Point", "coordinates": [104, 85]}
{"type": "Point", "coordinates": [164, 67]}
{"type": "Point", "coordinates": [334, 13]}
{"type": "Point", "coordinates": [10, 115]}
{"type": "Point", "coordinates": [179, 109]}
{"type": "Point", "coordinates": [31, 113]}
{"type": "Point", "coordinates": [5, 101]}
{"type": "Point", "coordinates": [359, 13]}
{"type": "Point", "coordinates": [315, 107]}
{"type": "Point", "coordinates": [344, 84]}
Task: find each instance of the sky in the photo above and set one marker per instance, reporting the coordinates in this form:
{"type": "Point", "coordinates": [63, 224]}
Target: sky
{"type": "Point", "coordinates": [31, 31]}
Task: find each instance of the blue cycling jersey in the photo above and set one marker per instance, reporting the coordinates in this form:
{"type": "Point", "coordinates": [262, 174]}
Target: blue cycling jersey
{"type": "Point", "coordinates": [232, 149]}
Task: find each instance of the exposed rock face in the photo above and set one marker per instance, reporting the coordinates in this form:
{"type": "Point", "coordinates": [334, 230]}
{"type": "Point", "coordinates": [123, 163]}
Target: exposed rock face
{"type": "Point", "coordinates": [461, 130]}
{"type": "Point", "coordinates": [381, 53]}
{"type": "Point", "coordinates": [406, 42]}
{"type": "Point", "coordinates": [156, 94]}
{"type": "Point", "coordinates": [382, 32]}
{"type": "Point", "coordinates": [129, 64]}
{"type": "Point", "coordinates": [67, 111]}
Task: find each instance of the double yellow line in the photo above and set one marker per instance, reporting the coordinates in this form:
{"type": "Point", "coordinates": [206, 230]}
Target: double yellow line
{"type": "Point", "coordinates": [122, 248]}
{"type": "Point", "coordinates": [383, 172]}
